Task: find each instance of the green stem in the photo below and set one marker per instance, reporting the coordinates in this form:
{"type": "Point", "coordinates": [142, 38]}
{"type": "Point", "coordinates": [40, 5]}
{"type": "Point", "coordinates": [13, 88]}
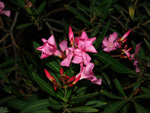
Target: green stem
{"type": "Point", "coordinates": [65, 99]}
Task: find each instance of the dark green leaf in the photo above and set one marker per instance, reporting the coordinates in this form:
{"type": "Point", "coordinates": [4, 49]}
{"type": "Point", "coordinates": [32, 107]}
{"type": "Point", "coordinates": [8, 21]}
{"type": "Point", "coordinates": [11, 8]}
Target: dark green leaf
{"type": "Point", "coordinates": [147, 43]}
{"type": "Point", "coordinates": [146, 8]}
{"type": "Point", "coordinates": [24, 25]}
{"type": "Point", "coordinates": [37, 105]}
{"type": "Point", "coordinates": [115, 64]}
{"type": "Point", "coordinates": [18, 104]}
{"type": "Point", "coordinates": [43, 111]}
{"type": "Point", "coordinates": [7, 62]}
{"type": "Point", "coordinates": [33, 1]}
{"type": "Point", "coordinates": [137, 84]}
{"type": "Point", "coordinates": [66, 26]}
{"type": "Point", "coordinates": [146, 96]}
{"type": "Point", "coordinates": [6, 99]}
{"type": "Point", "coordinates": [95, 31]}
{"type": "Point", "coordinates": [100, 39]}
{"type": "Point", "coordinates": [41, 7]}
{"type": "Point", "coordinates": [106, 78]}
{"type": "Point", "coordinates": [114, 107]}
{"type": "Point", "coordinates": [84, 19]}
{"type": "Point", "coordinates": [139, 108]}
{"type": "Point", "coordinates": [110, 95]}
{"type": "Point", "coordinates": [54, 66]}
{"type": "Point", "coordinates": [95, 103]}
{"type": "Point", "coordinates": [84, 109]}
{"type": "Point", "coordinates": [119, 87]}
{"type": "Point", "coordinates": [21, 3]}
{"type": "Point", "coordinates": [3, 76]}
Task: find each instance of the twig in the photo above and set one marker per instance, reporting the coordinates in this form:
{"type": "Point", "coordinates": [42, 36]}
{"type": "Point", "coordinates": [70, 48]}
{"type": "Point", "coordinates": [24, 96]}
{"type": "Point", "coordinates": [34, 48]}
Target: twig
{"type": "Point", "coordinates": [50, 28]}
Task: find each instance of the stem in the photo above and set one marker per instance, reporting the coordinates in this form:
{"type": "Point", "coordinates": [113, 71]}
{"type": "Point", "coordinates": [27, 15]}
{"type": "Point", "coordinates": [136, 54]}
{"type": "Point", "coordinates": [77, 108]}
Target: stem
{"type": "Point", "coordinates": [65, 99]}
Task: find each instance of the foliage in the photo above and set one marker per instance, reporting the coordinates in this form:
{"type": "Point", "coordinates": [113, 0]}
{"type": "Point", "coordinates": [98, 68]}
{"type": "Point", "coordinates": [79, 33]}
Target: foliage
{"type": "Point", "coordinates": [24, 86]}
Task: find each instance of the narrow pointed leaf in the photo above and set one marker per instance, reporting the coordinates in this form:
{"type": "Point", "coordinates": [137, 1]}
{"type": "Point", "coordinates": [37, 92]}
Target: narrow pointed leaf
{"type": "Point", "coordinates": [146, 96]}
{"type": "Point", "coordinates": [96, 103]}
{"type": "Point", "coordinates": [139, 108]}
{"type": "Point", "coordinates": [41, 7]}
{"type": "Point", "coordinates": [37, 105]}
{"type": "Point", "coordinates": [6, 99]}
{"type": "Point", "coordinates": [119, 87]}
{"type": "Point", "coordinates": [147, 43]}
{"type": "Point", "coordinates": [114, 107]}
{"type": "Point", "coordinates": [84, 109]}
{"type": "Point", "coordinates": [110, 95]}
{"type": "Point", "coordinates": [24, 25]}
{"type": "Point", "coordinates": [43, 111]}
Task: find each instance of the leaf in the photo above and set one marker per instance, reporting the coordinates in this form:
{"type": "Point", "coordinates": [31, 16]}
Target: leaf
{"type": "Point", "coordinates": [146, 8]}
{"type": "Point", "coordinates": [3, 76]}
{"type": "Point", "coordinates": [139, 108]}
{"type": "Point", "coordinates": [115, 64]}
{"type": "Point", "coordinates": [106, 78]}
{"type": "Point", "coordinates": [17, 104]}
{"type": "Point", "coordinates": [45, 86]}
{"type": "Point", "coordinates": [33, 1]}
{"type": "Point", "coordinates": [95, 103]}
{"type": "Point", "coordinates": [84, 20]}
{"type": "Point", "coordinates": [24, 25]}
{"type": "Point", "coordinates": [100, 39]}
{"type": "Point", "coordinates": [145, 96]}
{"type": "Point", "coordinates": [54, 66]}
{"type": "Point", "coordinates": [83, 7]}
{"type": "Point", "coordinates": [147, 43]}
{"type": "Point", "coordinates": [21, 3]}
{"type": "Point", "coordinates": [7, 62]}
{"type": "Point", "coordinates": [114, 107]}
{"type": "Point", "coordinates": [6, 99]}
{"type": "Point", "coordinates": [41, 7]}
{"type": "Point", "coordinates": [83, 97]}
{"type": "Point", "coordinates": [131, 11]}
{"type": "Point", "coordinates": [43, 111]}
{"type": "Point", "coordinates": [137, 84]}
{"type": "Point", "coordinates": [85, 109]}
{"type": "Point", "coordinates": [66, 26]}
{"type": "Point", "coordinates": [37, 105]}
{"type": "Point", "coordinates": [119, 87]}
{"type": "Point", "coordinates": [95, 30]}
{"type": "Point", "coordinates": [110, 95]}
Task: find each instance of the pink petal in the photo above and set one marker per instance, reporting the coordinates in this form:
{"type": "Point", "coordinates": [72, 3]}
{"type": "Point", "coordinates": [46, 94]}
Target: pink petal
{"type": "Point", "coordinates": [71, 35]}
{"type": "Point", "coordinates": [112, 37]}
{"type": "Point", "coordinates": [67, 60]}
{"type": "Point", "coordinates": [44, 40]}
{"type": "Point", "coordinates": [84, 36]}
{"type": "Point", "coordinates": [92, 39]}
{"type": "Point", "coordinates": [2, 6]}
{"type": "Point", "coordinates": [77, 59]}
{"type": "Point", "coordinates": [44, 55]}
{"type": "Point", "coordinates": [105, 42]}
{"type": "Point", "coordinates": [91, 49]}
{"type": "Point", "coordinates": [51, 41]}
{"type": "Point", "coordinates": [137, 69]}
{"type": "Point", "coordinates": [128, 54]}
{"type": "Point", "coordinates": [88, 69]}
{"type": "Point", "coordinates": [6, 12]}
{"type": "Point", "coordinates": [98, 82]}
{"type": "Point", "coordinates": [138, 46]}
{"type": "Point", "coordinates": [58, 53]}
{"type": "Point", "coordinates": [63, 45]}
{"type": "Point", "coordinates": [86, 58]}
{"type": "Point", "coordinates": [125, 35]}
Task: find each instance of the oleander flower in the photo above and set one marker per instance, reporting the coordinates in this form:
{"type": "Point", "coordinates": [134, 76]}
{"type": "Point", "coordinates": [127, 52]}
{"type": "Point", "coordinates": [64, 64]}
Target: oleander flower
{"type": "Point", "coordinates": [2, 11]}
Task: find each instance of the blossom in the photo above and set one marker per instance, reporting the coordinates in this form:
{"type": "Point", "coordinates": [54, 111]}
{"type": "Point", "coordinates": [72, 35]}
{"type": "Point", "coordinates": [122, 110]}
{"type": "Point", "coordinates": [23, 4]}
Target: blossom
{"type": "Point", "coordinates": [4, 12]}
{"type": "Point", "coordinates": [111, 43]}
{"type": "Point", "coordinates": [134, 57]}
{"type": "Point", "coordinates": [49, 48]}
{"type": "Point", "coordinates": [126, 52]}
{"type": "Point", "coordinates": [87, 73]}
{"type": "Point", "coordinates": [124, 36]}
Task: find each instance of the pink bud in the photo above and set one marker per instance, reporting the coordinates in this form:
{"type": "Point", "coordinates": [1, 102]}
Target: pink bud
{"type": "Point", "coordinates": [61, 71]}
{"type": "Point", "coordinates": [51, 78]}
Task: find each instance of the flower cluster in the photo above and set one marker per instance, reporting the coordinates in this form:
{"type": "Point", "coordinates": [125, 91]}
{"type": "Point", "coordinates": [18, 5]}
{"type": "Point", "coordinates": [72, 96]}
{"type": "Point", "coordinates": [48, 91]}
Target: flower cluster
{"type": "Point", "coordinates": [76, 53]}
{"type": "Point", "coordinates": [114, 43]}
{"type": "Point", "coordinates": [2, 11]}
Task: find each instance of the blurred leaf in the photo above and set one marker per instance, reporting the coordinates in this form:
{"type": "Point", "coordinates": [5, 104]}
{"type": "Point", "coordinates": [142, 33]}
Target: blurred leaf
{"type": "Point", "coordinates": [17, 104]}
{"type": "Point", "coordinates": [95, 103]}
{"type": "Point", "coordinates": [106, 78]}
{"type": "Point", "coordinates": [41, 7]}
{"type": "Point", "coordinates": [105, 66]}
{"type": "Point", "coordinates": [139, 108]}
{"type": "Point", "coordinates": [131, 11]}
{"type": "Point", "coordinates": [66, 26]}
{"type": "Point", "coordinates": [84, 109]}
{"type": "Point", "coordinates": [7, 62]}
{"type": "Point", "coordinates": [95, 30]}
{"type": "Point", "coordinates": [147, 9]}
{"type": "Point", "coordinates": [24, 25]}
{"type": "Point", "coordinates": [36, 45]}
{"type": "Point", "coordinates": [100, 39]}
{"type": "Point", "coordinates": [21, 3]}
{"type": "Point", "coordinates": [6, 99]}
{"type": "Point", "coordinates": [54, 66]}
{"type": "Point", "coordinates": [137, 84]}
{"type": "Point", "coordinates": [3, 76]}
{"type": "Point", "coordinates": [33, 1]}
{"type": "Point", "coordinates": [37, 105]}
{"type": "Point", "coordinates": [147, 43]}
{"type": "Point", "coordinates": [114, 107]}
{"type": "Point", "coordinates": [55, 103]}
{"type": "Point", "coordinates": [84, 8]}
{"type": "Point", "coordinates": [44, 85]}
{"type": "Point", "coordinates": [119, 87]}
{"type": "Point", "coordinates": [84, 19]}
{"type": "Point", "coordinates": [43, 111]}
{"type": "Point", "coordinates": [145, 95]}
{"type": "Point", "coordinates": [83, 97]}
{"type": "Point", "coordinates": [110, 95]}
{"type": "Point", "coordinates": [115, 64]}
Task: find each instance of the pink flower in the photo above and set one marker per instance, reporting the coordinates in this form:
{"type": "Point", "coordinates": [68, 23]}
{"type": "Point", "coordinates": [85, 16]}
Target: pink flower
{"type": "Point", "coordinates": [134, 57]}
{"type": "Point", "coordinates": [4, 12]}
{"type": "Point", "coordinates": [111, 43]}
{"type": "Point", "coordinates": [87, 73]}
{"type": "Point", "coordinates": [125, 35]}
{"type": "Point", "coordinates": [126, 52]}
{"type": "Point", "coordinates": [49, 48]}
{"type": "Point", "coordinates": [71, 36]}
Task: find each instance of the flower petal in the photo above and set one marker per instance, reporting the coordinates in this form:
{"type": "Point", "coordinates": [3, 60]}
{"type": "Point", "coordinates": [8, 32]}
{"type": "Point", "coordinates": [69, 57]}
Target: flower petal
{"type": "Point", "coordinates": [67, 60]}
{"type": "Point", "coordinates": [63, 45]}
{"type": "Point", "coordinates": [112, 37]}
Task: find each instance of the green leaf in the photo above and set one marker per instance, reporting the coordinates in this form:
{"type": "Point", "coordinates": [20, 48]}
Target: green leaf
{"type": "Point", "coordinates": [84, 109]}
{"type": "Point", "coordinates": [6, 99]}
{"type": "Point", "coordinates": [84, 19]}
{"type": "Point", "coordinates": [7, 62]}
{"type": "Point", "coordinates": [115, 64]}
{"type": "Point", "coordinates": [95, 103]}
{"type": "Point", "coordinates": [95, 31]}
{"type": "Point", "coordinates": [43, 111]}
{"type": "Point", "coordinates": [147, 43]}
{"type": "Point", "coordinates": [146, 8]}
{"type": "Point", "coordinates": [114, 107]}
{"type": "Point", "coordinates": [139, 108]}
{"type": "Point", "coordinates": [137, 84]}
{"type": "Point", "coordinates": [145, 95]}
{"type": "Point", "coordinates": [106, 78]}
{"type": "Point", "coordinates": [110, 95]}
{"type": "Point", "coordinates": [119, 87]}
{"type": "Point", "coordinates": [37, 105]}
{"type": "Point", "coordinates": [55, 104]}
{"type": "Point", "coordinates": [41, 7]}
{"type": "Point", "coordinates": [24, 25]}
{"type": "Point", "coordinates": [17, 104]}
{"type": "Point", "coordinates": [33, 1]}
{"type": "Point", "coordinates": [66, 26]}
{"type": "Point", "coordinates": [84, 8]}
{"type": "Point", "coordinates": [21, 3]}
{"type": "Point", "coordinates": [83, 97]}
{"type": "Point", "coordinates": [54, 66]}
{"type": "Point", "coordinates": [3, 76]}
{"type": "Point", "coordinates": [44, 85]}
{"type": "Point", "coordinates": [100, 39]}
